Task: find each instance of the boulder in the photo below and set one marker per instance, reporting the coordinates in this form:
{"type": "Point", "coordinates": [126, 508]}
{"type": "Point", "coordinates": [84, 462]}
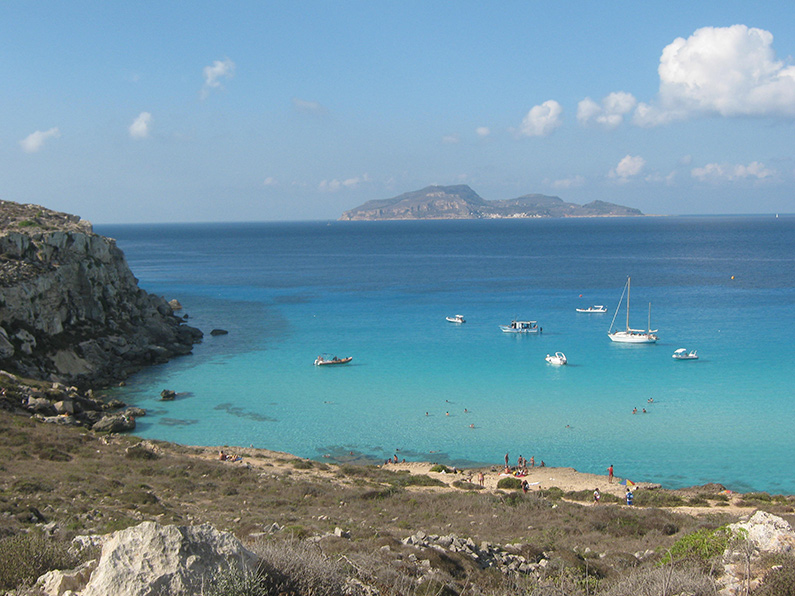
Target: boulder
{"type": "Point", "coordinates": [168, 395]}
{"type": "Point", "coordinates": [150, 559]}
{"type": "Point", "coordinates": [174, 304]}
{"type": "Point", "coordinates": [215, 332]}
{"type": "Point", "coordinates": [748, 557]}
{"type": "Point", "coordinates": [114, 423]}
{"type": "Point", "coordinates": [135, 412]}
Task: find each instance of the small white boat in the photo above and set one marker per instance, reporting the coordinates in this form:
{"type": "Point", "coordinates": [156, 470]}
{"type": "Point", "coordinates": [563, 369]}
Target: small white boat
{"type": "Point", "coordinates": [559, 359]}
{"type": "Point", "coordinates": [595, 308]}
{"type": "Point", "coordinates": [324, 359]}
{"type": "Point", "coordinates": [456, 319]}
{"type": "Point", "coordinates": [629, 335]}
{"type": "Point", "coordinates": [521, 327]}
{"type": "Point", "coordinates": [683, 354]}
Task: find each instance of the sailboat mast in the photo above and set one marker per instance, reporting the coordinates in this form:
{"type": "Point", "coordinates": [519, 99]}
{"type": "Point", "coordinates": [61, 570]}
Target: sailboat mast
{"type": "Point", "coordinates": [628, 303]}
{"type": "Point", "coordinates": [649, 327]}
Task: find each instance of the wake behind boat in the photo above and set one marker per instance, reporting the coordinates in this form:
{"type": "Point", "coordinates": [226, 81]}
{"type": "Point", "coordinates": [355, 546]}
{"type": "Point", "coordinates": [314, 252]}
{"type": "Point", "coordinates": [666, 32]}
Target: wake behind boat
{"type": "Point", "coordinates": [596, 308]}
{"type": "Point", "coordinates": [324, 359]}
{"type": "Point", "coordinates": [456, 319]}
{"type": "Point", "coordinates": [521, 327]}
{"type": "Point", "coordinates": [629, 335]}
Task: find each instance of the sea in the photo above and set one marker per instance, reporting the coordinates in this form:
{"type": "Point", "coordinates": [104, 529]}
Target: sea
{"type": "Point", "coordinates": [423, 389]}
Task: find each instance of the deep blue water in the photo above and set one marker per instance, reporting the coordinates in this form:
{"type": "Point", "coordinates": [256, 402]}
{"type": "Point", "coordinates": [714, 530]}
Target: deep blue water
{"type": "Point", "coordinates": [380, 291]}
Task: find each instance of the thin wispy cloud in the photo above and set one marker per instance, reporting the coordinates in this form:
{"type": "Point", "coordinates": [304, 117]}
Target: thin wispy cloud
{"type": "Point", "coordinates": [728, 71]}
{"type": "Point", "coordinates": [139, 129]}
{"type": "Point", "coordinates": [452, 139]}
{"type": "Point", "coordinates": [630, 166]}
{"type": "Point", "coordinates": [304, 106]}
{"type": "Point", "coordinates": [482, 131]}
{"type": "Point", "coordinates": [715, 172]}
{"type": "Point", "coordinates": [541, 120]}
{"type": "Point", "coordinates": [570, 182]}
{"type": "Point", "coordinates": [219, 69]}
{"type": "Point", "coordinates": [35, 141]}
{"type": "Point", "coordinates": [269, 181]}
{"type": "Point", "coordinates": [335, 184]}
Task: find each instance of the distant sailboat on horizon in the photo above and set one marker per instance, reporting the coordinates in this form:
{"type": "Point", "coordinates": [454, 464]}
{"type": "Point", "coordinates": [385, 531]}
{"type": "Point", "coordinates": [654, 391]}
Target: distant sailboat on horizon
{"type": "Point", "coordinates": [629, 335]}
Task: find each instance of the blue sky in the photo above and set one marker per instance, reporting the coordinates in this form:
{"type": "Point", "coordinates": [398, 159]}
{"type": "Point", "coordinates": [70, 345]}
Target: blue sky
{"type": "Point", "coordinates": [233, 111]}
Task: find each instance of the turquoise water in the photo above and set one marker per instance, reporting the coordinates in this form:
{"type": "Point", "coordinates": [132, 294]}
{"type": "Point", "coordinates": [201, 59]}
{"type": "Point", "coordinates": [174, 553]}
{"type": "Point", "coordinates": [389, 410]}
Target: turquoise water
{"type": "Point", "coordinates": [380, 291]}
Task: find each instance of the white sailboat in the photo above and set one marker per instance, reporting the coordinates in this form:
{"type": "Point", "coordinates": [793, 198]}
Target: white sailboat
{"type": "Point", "coordinates": [629, 335]}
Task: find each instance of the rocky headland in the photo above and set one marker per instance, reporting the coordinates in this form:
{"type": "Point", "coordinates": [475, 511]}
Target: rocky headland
{"type": "Point", "coordinates": [71, 310]}
{"type": "Point", "coordinates": [461, 202]}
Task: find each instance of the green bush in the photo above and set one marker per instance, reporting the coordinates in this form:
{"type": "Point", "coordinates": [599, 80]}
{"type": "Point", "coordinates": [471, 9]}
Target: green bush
{"type": "Point", "coordinates": [700, 546]}
{"type": "Point", "coordinates": [25, 557]}
{"type": "Point", "coordinates": [509, 483]}
{"type": "Point", "coordinates": [440, 468]}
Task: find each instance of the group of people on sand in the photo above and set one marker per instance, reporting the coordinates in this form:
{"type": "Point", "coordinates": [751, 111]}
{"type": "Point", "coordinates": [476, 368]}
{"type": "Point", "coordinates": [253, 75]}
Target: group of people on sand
{"type": "Point", "coordinates": [223, 456]}
{"type": "Point", "coordinates": [522, 465]}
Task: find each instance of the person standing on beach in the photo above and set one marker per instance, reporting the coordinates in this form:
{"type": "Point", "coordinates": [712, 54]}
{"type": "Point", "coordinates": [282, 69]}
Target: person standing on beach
{"type": "Point", "coordinates": [596, 496]}
{"type": "Point", "coordinates": [481, 478]}
{"type": "Point", "coordinates": [610, 474]}
{"type": "Point", "coordinates": [629, 497]}
{"type": "Point", "coordinates": [506, 460]}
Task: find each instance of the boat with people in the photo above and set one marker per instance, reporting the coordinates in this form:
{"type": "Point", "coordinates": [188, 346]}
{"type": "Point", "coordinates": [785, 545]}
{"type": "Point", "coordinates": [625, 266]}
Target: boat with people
{"type": "Point", "coordinates": [630, 335]}
{"type": "Point", "coordinates": [456, 319]}
{"type": "Point", "coordinates": [559, 359]}
{"type": "Point", "coordinates": [324, 359]}
{"type": "Point", "coordinates": [596, 308]}
{"type": "Point", "coordinates": [521, 327]}
{"type": "Point", "coordinates": [683, 354]}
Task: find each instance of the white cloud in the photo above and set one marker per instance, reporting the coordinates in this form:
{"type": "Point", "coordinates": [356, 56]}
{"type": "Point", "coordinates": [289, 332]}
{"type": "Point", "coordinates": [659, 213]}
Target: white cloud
{"type": "Point", "coordinates": [570, 182]}
{"type": "Point", "coordinates": [451, 139]}
{"type": "Point", "coordinates": [717, 172]}
{"type": "Point", "coordinates": [269, 181]}
{"type": "Point", "coordinates": [610, 113]}
{"type": "Point", "coordinates": [213, 73]}
{"type": "Point", "coordinates": [35, 141]}
{"type": "Point", "coordinates": [730, 71]}
{"type": "Point", "coordinates": [334, 185]}
{"type": "Point", "coordinates": [628, 167]}
{"type": "Point", "coordinates": [139, 129]}
{"type": "Point", "coordinates": [307, 107]}
{"type": "Point", "coordinates": [541, 120]}
{"type": "Point", "coordinates": [482, 131]}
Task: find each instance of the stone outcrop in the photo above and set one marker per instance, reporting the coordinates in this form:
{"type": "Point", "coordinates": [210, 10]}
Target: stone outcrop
{"type": "Point", "coordinates": [150, 559]}
{"type": "Point", "coordinates": [70, 308]}
{"type": "Point", "coordinates": [746, 560]}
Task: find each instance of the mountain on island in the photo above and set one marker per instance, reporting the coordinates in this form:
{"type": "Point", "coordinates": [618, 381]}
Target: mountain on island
{"type": "Point", "coordinates": [461, 202]}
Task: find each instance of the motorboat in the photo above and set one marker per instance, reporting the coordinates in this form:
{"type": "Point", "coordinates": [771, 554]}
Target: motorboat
{"type": "Point", "coordinates": [598, 308]}
{"type": "Point", "coordinates": [325, 359]}
{"type": "Point", "coordinates": [559, 359]}
{"type": "Point", "coordinates": [683, 354]}
{"type": "Point", "coordinates": [521, 327]}
{"type": "Point", "coordinates": [629, 335]}
{"type": "Point", "coordinates": [456, 319]}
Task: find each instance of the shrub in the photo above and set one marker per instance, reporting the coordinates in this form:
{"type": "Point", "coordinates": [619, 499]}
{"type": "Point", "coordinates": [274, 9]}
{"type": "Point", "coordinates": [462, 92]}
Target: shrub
{"type": "Point", "coordinates": [440, 468]}
{"type": "Point", "coordinates": [292, 567]}
{"type": "Point", "coordinates": [701, 546]}
{"type": "Point", "coordinates": [509, 483]}
{"type": "Point", "coordinates": [464, 485]}
{"type": "Point", "coordinates": [417, 480]}
{"type": "Point", "coordinates": [779, 581]}
{"type": "Point", "coordinates": [24, 557]}
{"type": "Point", "coordinates": [302, 464]}
{"type": "Point", "coordinates": [669, 580]}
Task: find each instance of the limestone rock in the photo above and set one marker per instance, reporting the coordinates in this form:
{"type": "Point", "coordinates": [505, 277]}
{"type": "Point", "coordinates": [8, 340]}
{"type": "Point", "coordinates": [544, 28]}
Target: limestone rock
{"type": "Point", "coordinates": [151, 559]}
{"type": "Point", "coordinates": [71, 310]}
{"type": "Point", "coordinates": [114, 423]}
{"type": "Point", "coordinates": [744, 561]}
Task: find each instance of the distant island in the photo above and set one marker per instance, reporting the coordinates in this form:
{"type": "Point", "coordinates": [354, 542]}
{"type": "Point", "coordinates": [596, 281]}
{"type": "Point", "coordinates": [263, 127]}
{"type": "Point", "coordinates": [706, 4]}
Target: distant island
{"type": "Point", "coordinates": [461, 202]}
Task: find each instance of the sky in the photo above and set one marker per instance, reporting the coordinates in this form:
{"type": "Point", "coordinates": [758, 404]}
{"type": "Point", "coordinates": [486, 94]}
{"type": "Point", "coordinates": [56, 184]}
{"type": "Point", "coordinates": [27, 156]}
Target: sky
{"type": "Point", "coordinates": [195, 111]}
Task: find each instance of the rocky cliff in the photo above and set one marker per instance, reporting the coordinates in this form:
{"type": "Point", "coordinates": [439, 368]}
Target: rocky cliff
{"type": "Point", "coordinates": [70, 308]}
{"type": "Point", "coordinates": [461, 202]}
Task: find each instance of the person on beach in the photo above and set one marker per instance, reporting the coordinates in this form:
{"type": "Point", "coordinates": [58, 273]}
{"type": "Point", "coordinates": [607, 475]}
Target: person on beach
{"type": "Point", "coordinates": [610, 474]}
{"type": "Point", "coordinates": [629, 497]}
{"type": "Point", "coordinates": [506, 460]}
{"type": "Point", "coordinates": [525, 486]}
{"type": "Point", "coordinates": [481, 479]}
{"type": "Point", "coordinates": [532, 461]}
{"type": "Point", "coordinates": [596, 496]}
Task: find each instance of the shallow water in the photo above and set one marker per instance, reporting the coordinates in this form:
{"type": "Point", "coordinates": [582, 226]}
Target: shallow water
{"type": "Point", "coordinates": [380, 291]}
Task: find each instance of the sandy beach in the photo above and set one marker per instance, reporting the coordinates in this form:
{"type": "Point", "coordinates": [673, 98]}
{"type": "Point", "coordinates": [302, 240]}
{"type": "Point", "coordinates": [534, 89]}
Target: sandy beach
{"type": "Point", "coordinates": [538, 478]}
